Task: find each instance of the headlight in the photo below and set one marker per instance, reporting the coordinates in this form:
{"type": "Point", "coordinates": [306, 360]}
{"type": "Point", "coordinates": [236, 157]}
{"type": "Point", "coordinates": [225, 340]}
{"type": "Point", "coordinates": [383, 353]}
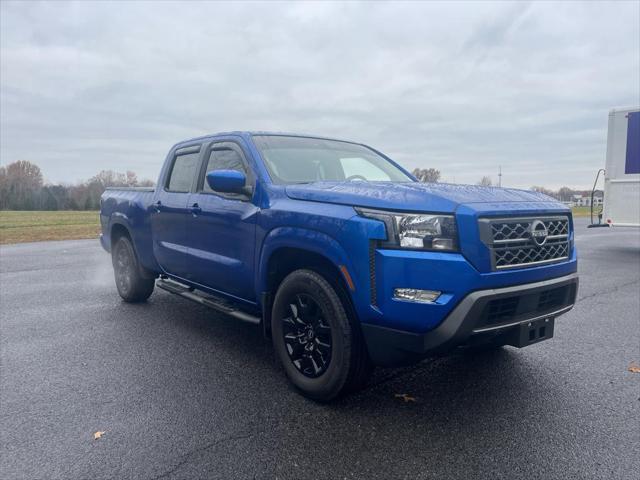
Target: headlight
{"type": "Point", "coordinates": [417, 231]}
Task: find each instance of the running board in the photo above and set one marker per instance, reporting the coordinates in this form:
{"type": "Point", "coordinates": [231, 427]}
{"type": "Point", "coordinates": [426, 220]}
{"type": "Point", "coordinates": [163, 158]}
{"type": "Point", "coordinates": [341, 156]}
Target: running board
{"type": "Point", "coordinates": [210, 301]}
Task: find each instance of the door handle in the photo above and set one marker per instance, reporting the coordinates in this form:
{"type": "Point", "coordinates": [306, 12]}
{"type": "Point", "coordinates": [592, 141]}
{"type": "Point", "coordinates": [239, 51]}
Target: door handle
{"type": "Point", "coordinates": [195, 209]}
{"type": "Point", "coordinates": [157, 206]}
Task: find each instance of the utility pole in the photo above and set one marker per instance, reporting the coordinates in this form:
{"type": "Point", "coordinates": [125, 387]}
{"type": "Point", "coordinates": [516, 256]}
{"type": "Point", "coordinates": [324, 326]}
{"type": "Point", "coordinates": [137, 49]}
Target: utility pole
{"type": "Point", "coordinates": [500, 176]}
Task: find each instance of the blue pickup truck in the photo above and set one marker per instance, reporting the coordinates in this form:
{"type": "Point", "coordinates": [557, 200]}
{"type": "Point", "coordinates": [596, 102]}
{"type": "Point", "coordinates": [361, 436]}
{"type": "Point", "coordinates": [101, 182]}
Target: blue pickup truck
{"type": "Point", "coordinates": [340, 255]}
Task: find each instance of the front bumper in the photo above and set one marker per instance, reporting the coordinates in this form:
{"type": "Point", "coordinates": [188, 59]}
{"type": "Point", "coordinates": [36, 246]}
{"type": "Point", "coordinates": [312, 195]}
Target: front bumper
{"type": "Point", "coordinates": [104, 243]}
{"type": "Point", "coordinates": [482, 316]}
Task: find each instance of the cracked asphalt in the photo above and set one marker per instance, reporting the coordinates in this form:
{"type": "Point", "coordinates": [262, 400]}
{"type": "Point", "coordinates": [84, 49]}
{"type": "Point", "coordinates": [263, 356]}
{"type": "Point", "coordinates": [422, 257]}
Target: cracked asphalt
{"type": "Point", "coordinates": [182, 392]}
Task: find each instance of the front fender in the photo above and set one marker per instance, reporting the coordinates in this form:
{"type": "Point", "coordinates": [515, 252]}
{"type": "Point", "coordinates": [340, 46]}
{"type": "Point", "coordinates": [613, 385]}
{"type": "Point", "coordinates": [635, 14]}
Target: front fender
{"type": "Point", "coordinates": [302, 239]}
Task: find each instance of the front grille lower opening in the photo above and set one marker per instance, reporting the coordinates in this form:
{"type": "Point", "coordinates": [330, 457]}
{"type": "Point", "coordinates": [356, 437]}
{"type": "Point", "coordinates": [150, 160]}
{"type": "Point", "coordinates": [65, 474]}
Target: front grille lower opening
{"type": "Point", "coordinates": [551, 299]}
{"type": "Point", "coordinates": [502, 310]}
{"type": "Point", "coordinates": [527, 305]}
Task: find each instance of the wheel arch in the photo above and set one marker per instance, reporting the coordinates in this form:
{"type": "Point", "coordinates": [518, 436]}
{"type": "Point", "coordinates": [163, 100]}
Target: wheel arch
{"type": "Point", "coordinates": [118, 229]}
{"type": "Point", "coordinates": [287, 249]}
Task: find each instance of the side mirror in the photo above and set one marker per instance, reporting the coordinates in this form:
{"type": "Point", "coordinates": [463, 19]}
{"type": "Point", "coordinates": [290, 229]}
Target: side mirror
{"type": "Point", "coordinates": [227, 181]}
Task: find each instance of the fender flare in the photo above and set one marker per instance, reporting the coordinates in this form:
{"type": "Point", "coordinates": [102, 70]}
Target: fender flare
{"type": "Point", "coordinates": [118, 218]}
{"type": "Point", "coordinates": [302, 239]}
{"type": "Point", "coordinates": [147, 264]}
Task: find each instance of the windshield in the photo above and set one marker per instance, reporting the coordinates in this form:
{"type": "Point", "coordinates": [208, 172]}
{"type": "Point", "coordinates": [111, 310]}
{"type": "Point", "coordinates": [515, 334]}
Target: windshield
{"type": "Point", "coordinates": [305, 160]}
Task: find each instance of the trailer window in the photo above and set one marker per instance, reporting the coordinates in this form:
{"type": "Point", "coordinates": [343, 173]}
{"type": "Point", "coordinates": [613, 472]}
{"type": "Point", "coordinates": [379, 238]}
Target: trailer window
{"type": "Point", "coordinates": [183, 172]}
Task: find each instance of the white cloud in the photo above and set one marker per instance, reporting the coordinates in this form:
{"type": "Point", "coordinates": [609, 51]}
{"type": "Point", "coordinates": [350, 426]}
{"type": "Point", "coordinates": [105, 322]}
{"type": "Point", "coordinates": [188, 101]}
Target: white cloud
{"type": "Point", "coordinates": [463, 87]}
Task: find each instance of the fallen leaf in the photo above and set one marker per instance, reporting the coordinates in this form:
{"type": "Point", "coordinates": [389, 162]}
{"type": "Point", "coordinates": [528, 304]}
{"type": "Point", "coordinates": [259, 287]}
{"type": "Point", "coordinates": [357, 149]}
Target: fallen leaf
{"type": "Point", "coordinates": [406, 397]}
{"type": "Point", "coordinates": [97, 435]}
{"type": "Point", "coordinates": [633, 368]}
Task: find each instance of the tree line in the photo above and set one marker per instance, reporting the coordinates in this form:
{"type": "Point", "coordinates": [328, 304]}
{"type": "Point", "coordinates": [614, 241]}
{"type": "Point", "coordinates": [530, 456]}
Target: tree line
{"type": "Point", "coordinates": [564, 194]}
{"type": "Point", "coordinates": [22, 188]}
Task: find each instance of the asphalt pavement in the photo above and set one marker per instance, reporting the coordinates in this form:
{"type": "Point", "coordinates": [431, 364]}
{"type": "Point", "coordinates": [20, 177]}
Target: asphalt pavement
{"type": "Point", "coordinates": [181, 392]}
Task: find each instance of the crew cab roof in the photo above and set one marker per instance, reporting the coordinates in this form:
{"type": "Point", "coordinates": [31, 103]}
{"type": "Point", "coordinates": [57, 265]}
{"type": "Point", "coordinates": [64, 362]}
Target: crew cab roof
{"type": "Point", "coordinates": [250, 133]}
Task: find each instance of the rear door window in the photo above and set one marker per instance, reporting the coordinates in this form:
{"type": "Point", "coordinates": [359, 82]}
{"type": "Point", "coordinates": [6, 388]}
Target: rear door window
{"type": "Point", "coordinates": [183, 172]}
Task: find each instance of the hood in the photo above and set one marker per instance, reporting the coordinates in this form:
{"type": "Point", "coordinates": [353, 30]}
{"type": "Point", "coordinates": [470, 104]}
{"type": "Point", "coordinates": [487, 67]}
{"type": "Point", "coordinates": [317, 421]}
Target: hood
{"type": "Point", "coordinates": [411, 196]}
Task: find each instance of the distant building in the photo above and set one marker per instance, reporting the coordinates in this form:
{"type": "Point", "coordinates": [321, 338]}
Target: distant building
{"type": "Point", "coordinates": [580, 200]}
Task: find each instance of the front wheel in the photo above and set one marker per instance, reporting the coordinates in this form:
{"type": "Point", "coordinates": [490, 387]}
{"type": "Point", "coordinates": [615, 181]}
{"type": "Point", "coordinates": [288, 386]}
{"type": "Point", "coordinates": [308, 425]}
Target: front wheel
{"type": "Point", "coordinates": [320, 348]}
{"type": "Point", "coordinates": [131, 284]}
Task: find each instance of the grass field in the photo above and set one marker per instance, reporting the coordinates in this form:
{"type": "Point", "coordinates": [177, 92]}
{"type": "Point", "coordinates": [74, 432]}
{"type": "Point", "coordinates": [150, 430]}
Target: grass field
{"type": "Point", "coordinates": [19, 226]}
{"type": "Point", "coordinates": [585, 211]}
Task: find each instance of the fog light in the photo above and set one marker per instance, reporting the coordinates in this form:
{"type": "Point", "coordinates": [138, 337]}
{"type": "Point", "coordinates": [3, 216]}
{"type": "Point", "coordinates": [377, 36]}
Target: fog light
{"type": "Point", "coordinates": [413, 295]}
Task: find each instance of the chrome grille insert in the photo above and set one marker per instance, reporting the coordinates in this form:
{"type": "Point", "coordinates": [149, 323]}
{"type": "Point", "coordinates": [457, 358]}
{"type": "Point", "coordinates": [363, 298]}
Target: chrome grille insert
{"type": "Point", "coordinates": [524, 242]}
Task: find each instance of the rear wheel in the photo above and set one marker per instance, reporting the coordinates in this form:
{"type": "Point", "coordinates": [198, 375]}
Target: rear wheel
{"type": "Point", "coordinates": [132, 285]}
{"type": "Point", "coordinates": [319, 346]}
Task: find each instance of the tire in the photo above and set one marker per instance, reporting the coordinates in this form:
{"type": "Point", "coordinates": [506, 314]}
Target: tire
{"type": "Point", "coordinates": [319, 346]}
{"type": "Point", "coordinates": [132, 285]}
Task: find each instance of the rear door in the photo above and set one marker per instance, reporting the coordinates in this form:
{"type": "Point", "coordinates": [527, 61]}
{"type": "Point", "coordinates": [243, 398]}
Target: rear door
{"type": "Point", "coordinates": [222, 226]}
{"type": "Point", "coordinates": [169, 214]}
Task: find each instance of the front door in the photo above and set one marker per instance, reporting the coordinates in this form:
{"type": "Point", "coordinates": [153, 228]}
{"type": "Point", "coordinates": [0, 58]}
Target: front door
{"type": "Point", "coordinates": [221, 227]}
{"type": "Point", "coordinates": [170, 212]}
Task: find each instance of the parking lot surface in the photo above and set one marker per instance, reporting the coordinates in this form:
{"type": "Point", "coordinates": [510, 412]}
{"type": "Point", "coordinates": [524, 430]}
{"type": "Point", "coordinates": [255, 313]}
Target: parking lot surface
{"type": "Point", "coordinates": [181, 392]}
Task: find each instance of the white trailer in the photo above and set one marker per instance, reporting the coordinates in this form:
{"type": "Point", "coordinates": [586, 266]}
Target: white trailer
{"type": "Point", "coordinates": [622, 170]}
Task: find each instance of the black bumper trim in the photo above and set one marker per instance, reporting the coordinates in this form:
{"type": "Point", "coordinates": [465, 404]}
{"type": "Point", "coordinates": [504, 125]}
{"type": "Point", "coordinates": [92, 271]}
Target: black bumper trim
{"type": "Point", "coordinates": [391, 347]}
{"type": "Point", "coordinates": [555, 313]}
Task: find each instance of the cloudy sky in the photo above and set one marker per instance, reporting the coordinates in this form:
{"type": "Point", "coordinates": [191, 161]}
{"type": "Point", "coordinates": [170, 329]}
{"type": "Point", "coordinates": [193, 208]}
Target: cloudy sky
{"type": "Point", "coordinates": [462, 87]}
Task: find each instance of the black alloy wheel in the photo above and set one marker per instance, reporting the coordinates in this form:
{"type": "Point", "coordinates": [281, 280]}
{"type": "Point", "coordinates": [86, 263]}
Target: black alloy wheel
{"type": "Point", "coordinates": [307, 335]}
{"type": "Point", "coordinates": [316, 337]}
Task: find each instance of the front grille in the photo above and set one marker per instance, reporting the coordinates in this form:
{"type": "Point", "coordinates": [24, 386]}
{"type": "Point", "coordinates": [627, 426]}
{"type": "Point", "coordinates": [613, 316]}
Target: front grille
{"type": "Point", "coordinates": [514, 257]}
{"type": "Point", "coordinates": [523, 242]}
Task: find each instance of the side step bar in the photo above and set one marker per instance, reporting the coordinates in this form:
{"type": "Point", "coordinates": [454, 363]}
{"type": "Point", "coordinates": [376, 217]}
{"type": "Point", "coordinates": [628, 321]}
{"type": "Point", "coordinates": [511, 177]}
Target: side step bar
{"type": "Point", "coordinates": [210, 301]}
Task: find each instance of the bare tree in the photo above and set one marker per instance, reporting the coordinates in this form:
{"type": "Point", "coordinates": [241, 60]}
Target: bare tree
{"type": "Point", "coordinates": [4, 188]}
{"type": "Point", "coordinates": [427, 175]}
{"type": "Point", "coordinates": [146, 183]}
{"type": "Point", "coordinates": [546, 191]}
{"type": "Point", "coordinates": [485, 182]}
{"type": "Point", "coordinates": [21, 188]}
{"type": "Point", "coordinates": [109, 178]}
{"type": "Point", "coordinates": [21, 183]}
{"type": "Point", "coordinates": [565, 194]}
{"type": "Point", "coordinates": [131, 179]}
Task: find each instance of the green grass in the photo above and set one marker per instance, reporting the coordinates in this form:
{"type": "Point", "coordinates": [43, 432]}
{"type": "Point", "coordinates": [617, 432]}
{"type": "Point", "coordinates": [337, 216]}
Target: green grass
{"type": "Point", "coordinates": [21, 226]}
{"type": "Point", "coordinates": [585, 211]}
{"type": "Point", "coordinates": [28, 226]}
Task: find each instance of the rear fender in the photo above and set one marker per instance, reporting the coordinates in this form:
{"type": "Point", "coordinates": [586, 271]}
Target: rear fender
{"type": "Point", "coordinates": [140, 237]}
